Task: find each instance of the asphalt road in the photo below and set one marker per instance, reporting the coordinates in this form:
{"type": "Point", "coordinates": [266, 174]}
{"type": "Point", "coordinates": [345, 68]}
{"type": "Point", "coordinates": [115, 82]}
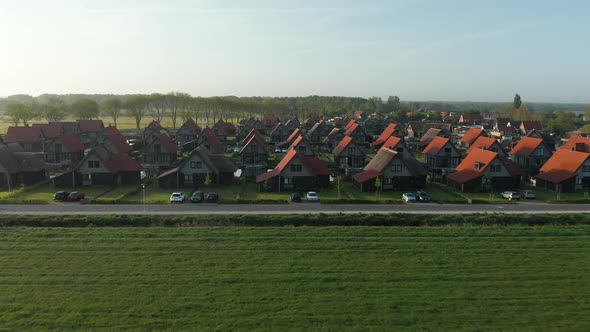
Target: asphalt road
{"type": "Point", "coordinates": [302, 208]}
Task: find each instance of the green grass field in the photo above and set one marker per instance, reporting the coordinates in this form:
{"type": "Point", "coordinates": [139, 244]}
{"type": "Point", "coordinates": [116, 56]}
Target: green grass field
{"type": "Point", "coordinates": [296, 278]}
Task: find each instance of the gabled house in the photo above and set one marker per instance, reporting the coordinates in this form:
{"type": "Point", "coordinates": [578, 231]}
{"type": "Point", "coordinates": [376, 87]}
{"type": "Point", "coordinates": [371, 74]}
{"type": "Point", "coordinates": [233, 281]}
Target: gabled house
{"type": "Point", "coordinates": [18, 167]}
{"type": "Point", "coordinates": [270, 121]}
{"type": "Point", "coordinates": [341, 122]}
{"type": "Point", "coordinates": [483, 170]}
{"type": "Point", "coordinates": [530, 154]}
{"type": "Point", "coordinates": [193, 171]}
{"type": "Point", "coordinates": [89, 130]}
{"type": "Point", "coordinates": [292, 123]}
{"type": "Point", "coordinates": [303, 146]}
{"type": "Point", "coordinates": [431, 134]}
{"type": "Point", "coordinates": [100, 167]}
{"type": "Point", "coordinates": [391, 130]}
{"type": "Point", "coordinates": [210, 141]}
{"type": "Point", "coordinates": [287, 143]}
{"type": "Point", "coordinates": [547, 138]}
{"type": "Point", "coordinates": [254, 155]}
{"type": "Point", "coordinates": [223, 130]}
{"type": "Point", "coordinates": [420, 128]}
{"type": "Point", "coordinates": [471, 119]}
{"type": "Point", "coordinates": [471, 135]}
{"type": "Point", "coordinates": [64, 150]}
{"type": "Point", "coordinates": [319, 132]}
{"type": "Point", "coordinates": [442, 157]}
{"type": "Point", "coordinates": [398, 145]}
{"type": "Point", "coordinates": [295, 172]}
{"type": "Point", "coordinates": [279, 133]}
{"type": "Point", "coordinates": [247, 127]}
{"type": "Point", "coordinates": [488, 143]}
{"type": "Point", "coordinates": [50, 130]}
{"type": "Point", "coordinates": [528, 126]}
{"type": "Point", "coordinates": [375, 126]}
{"type": "Point", "coordinates": [348, 155]}
{"type": "Point", "coordinates": [153, 130]}
{"type": "Point", "coordinates": [161, 151]}
{"type": "Point", "coordinates": [566, 171]}
{"type": "Point", "coordinates": [395, 171]}
{"type": "Point", "coordinates": [68, 127]}
{"type": "Point", "coordinates": [112, 140]}
{"type": "Point", "coordinates": [333, 138]}
{"type": "Point", "coordinates": [577, 143]}
{"type": "Point", "coordinates": [189, 131]}
{"type": "Point", "coordinates": [31, 139]}
{"type": "Point", "coordinates": [357, 133]}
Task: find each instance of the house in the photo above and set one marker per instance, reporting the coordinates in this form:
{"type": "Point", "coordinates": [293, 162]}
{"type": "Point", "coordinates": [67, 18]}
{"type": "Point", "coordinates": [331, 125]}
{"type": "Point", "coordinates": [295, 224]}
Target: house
{"type": "Point", "coordinates": [189, 131]}
{"type": "Point", "coordinates": [471, 135]}
{"type": "Point", "coordinates": [18, 167]}
{"type": "Point", "coordinates": [530, 154]}
{"type": "Point", "coordinates": [357, 133]}
{"type": "Point", "coordinates": [566, 171]}
{"type": "Point", "coordinates": [112, 140]}
{"type": "Point", "coordinates": [470, 119]}
{"type": "Point", "coordinates": [161, 151]}
{"type": "Point", "coordinates": [292, 123]}
{"type": "Point", "coordinates": [100, 167]}
{"type": "Point", "coordinates": [391, 130]}
{"type": "Point", "coordinates": [287, 143]}
{"type": "Point", "coordinates": [341, 122]}
{"type": "Point", "coordinates": [398, 145]}
{"type": "Point", "coordinates": [270, 121]}
{"type": "Point", "coordinates": [488, 143]}
{"type": "Point", "coordinates": [577, 143]}
{"type": "Point", "coordinates": [528, 126]}
{"type": "Point", "coordinates": [64, 150]}
{"type": "Point", "coordinates": [254, 154]}
{"type": "Point", "coordinates": [319, 132]}
{"type": "Point", "coordinates": [348, 155]}
{"type": "Point", "coordinates": [68, 127]}
{"type": "Point", "coordinates": [303, 146]}
{"type": "Point", "coordinates": [89, 130]}
{"type": "Point", "coordinates": [333, 138]}
{"type": "Point", "coordinates": [442, 157]}
{"type": "Point", "coordinates": [395, 171]}
{"type": "Point", "coordinates": [153, 130]}
{"type": "Point", "coordinates": [50, 130]}
{"type": "Point", "coordinates": [223, 130]}
{"type": "Point", "coordinates": [30, 138]}
{"type": "Point", "coordinates": [208, 140]}
{"type": "Point", "coordinates": [547, 138]}
{"type": "Point", "coordinates": [193, 171]}
{"type": "Point", "coordinates": [483, 170]}
{"type": "Point", "coordinates": [279, 133]}
{"type": "Point", "coordinates": [250, 124]}
{"type": "Point", "coordinates": [431, 134]}
{"type": "Point", "coordinates": [374, 126]}
{"type": "Point", "coordinates": [295, 172]}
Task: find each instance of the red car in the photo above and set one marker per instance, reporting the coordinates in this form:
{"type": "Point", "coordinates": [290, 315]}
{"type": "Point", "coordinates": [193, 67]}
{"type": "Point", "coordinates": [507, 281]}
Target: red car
{"type": "Point", "coordinates": [75, 196]}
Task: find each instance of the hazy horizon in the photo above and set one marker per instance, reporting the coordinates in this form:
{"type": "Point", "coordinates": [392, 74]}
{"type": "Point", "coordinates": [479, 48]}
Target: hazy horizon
{"type": "Point", "coordinates": [453, 51]}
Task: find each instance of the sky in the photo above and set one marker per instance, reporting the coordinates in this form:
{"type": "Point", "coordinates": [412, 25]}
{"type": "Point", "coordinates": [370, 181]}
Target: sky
{"type": "Point", "coordinates": [447, 50]}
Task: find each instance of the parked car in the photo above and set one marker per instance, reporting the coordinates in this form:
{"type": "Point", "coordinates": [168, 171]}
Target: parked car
{"type": "Point", "coordinates": [61, 196]}
{"type": "Point", "coordinates": [312, 196]}
{"type": "Point", "coordinates": [422, 196]}
{"type": "Point", "coordinates": [197, 196]}
{"type": "Point", "coordinates": [510, 195]}
{"type": "Point", "coordinates": [408, 197]}
{"type": "Point", "coordinates": [527, 194]}
{"type": "Point", "coordinates": [177, 197]}
{"type": "Point", "coordinates": [295, 197]}
{"type": "Point", "coordinates": [75, 196]}
{"type": "Point", "coordinates": [212, 197]}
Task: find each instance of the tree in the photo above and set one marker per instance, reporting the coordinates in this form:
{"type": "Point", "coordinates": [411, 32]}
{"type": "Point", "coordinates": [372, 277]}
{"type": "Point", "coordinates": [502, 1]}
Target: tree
{"type": "Point", "coordinates": [136, 107]}
{"type": "Point", "coordinates": [339, 186]}
{"type": "Point", "coordinates": [112, 107]}
{"type": "Point", "coordinates": [208, 181]}
{"type": "Point", "coordinates": [18, 112]}
{"type": "Point", "coordinates": [377, 186]}
{"type": "Point", "coordinates": [156, 103]}
{"type": "Point", "coordinates": [517, 101]}
{"type": "Point", "coordinates": [85, 109]}
{"type": "Point", "coordinates": [392, 104]}
{"type": "Point", "coordinates": [53, 110]}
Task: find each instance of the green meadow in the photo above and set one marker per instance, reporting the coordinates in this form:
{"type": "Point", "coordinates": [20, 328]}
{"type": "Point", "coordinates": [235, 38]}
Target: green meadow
{"type": "Point", "coordinates": [295, 278]}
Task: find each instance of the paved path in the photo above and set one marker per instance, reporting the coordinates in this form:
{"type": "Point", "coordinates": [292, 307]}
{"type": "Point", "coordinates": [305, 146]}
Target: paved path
{"type": "Point", "coordinates": [208, 208]}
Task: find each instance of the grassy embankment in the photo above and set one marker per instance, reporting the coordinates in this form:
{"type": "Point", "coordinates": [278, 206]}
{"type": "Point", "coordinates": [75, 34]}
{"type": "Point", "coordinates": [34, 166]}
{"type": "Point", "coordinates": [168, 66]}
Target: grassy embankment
{"type": "Point", "coordinates": [329, 278]}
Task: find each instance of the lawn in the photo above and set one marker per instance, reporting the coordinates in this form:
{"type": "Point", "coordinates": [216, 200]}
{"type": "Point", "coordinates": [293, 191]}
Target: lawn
{"type": "Point", "coordinates": [44, 193]}
{"type": "Point", "coordinates": [302, 278]}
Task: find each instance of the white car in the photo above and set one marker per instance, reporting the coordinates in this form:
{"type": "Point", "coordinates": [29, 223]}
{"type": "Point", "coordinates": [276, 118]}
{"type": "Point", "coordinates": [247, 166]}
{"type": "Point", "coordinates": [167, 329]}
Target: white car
{"type": "Point", "coordinates": [177, 197]}
{"type": "Point", "coordinates": [408, 197]}
{"type": "Point", "coordinates": [312, 196]}
{"type": "Point", "coordinates": [510, 195]}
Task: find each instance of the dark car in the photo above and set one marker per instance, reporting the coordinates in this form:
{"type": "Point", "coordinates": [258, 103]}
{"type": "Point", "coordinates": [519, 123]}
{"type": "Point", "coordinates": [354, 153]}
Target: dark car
{"type": "Point", "coordinates": [61, 196]}
{"type": "Point", "coordinates": [197, 196]}
{"type": "Point", "coordinates": [295, 197]}
{"type": "Point", "coordinates": [212, 197]}
{"type": "Point", "coordinates": [75, 196]}
{"type": "Point", "coordinates": [422, 196]}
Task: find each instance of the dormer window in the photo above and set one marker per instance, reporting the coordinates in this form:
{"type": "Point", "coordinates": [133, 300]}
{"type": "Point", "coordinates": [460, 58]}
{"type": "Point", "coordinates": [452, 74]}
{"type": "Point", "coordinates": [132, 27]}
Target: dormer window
{"type": "Point", "coordinates": [478, 165]}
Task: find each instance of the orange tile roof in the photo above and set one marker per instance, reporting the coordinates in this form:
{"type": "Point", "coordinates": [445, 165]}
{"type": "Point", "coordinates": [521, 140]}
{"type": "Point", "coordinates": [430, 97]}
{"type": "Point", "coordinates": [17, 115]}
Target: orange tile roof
{"type": "Point", "coordinates": [564, 159]}
{"type": "Point", "coordinates": [350, 129]}
{"type": "Point", "coordinates": [387, 132]}
{"type": "Point", "coordinates": [436, 145]}
{"type": "Point", "coordinates": [526, 146]}
{"type": "Point", "coordinates": [313, 164]}
{"type": "Point", "coordinates": [341, 146]}
{"type": "Point", "coordinates": [577, 143]}
{"type": "Point", "coordinates": [392, 142]}
{"type": "Point", "coordinates": [482, 142]}
{"type": "Point", "coordinates": [350, 123]}
{"type": "Point", "coordinates": [477, 156]}
{"type": "Point", "coordinates": [472, 134]}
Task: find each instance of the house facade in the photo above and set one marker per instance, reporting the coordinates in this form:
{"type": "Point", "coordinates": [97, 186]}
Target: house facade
{"type": "Point", "coordinates": [65, 151]}
{"type": "Point", "coordinates": [442, 157]}
{"type": "Point", "coordinates": [348, 155]}
{"type": "Point", "coordinates": [530, 154]}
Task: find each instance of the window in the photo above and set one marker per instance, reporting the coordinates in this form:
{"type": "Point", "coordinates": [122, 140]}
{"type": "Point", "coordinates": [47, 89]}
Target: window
{"type": "Point", "coordinates": [163, 158]}
{"type": "Point", "coordinates": [58, 148]}
{"type": "Point", "coordinates": [585, 168]}
{"type": "Point", "coordinates": [396, 168]}
{"type": "Point", "coordinates": [495, 168]}
{"type": "Point", "coordinates": [447, 150]}
{"type": "Point", "coordinates": [579, 181]}
{"type": "Point", "coordinates": [296, 168]}
{"type": "Point", "coordinates": [93, 164]}
{"type": "Point", "coordinates": [188, 177]}
{"type": "Point", "coordinates": [288, 181]}
{"type": "Point", "coordinates": [387, 180]}
{"type": "Point", "coordinates": [540, 152]}
{"type": "Point", "coordinates": [196, 164]}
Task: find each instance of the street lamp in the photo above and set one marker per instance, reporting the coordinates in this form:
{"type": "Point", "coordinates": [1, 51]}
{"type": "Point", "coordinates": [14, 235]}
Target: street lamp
{"type": "Point", "coordinates": [143, 189]}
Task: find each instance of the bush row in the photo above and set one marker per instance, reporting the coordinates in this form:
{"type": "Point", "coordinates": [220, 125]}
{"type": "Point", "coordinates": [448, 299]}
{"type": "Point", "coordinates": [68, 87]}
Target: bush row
{"type": "Point", "coordinates": [414, 220]}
